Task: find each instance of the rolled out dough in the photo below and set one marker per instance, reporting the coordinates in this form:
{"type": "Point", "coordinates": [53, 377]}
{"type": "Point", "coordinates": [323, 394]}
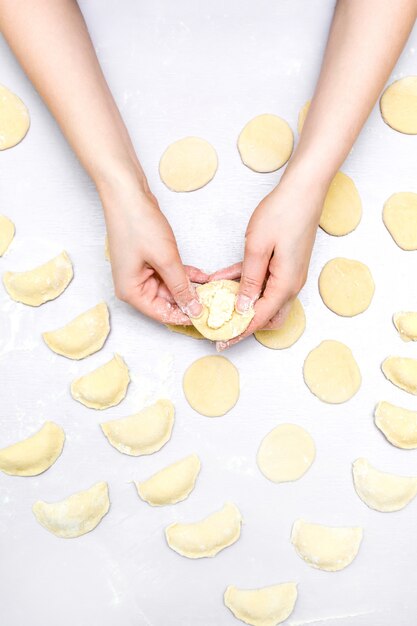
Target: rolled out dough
{"type": "Point", "coordinates": [400, 218]}
{"type": "Point", "coordinates": [14, 119]}
{"type": "Point", "coordinates": [290, 332]}
{"type": "Point", "coordinates": [7, 231]}
{"type": "Point", "coordinates": [188, 164]}
{"type": "Point", "coordinates": [346, 286]}
{"type": "Point", "coordinates": [211, 385]}
{"type": "Point", "coordinates": [399, 105]}
{"type": "Point", "coordinates": [265, 143]}
{"type": "Point", "coordinates": [342, 209]}
{"type": "Point", "coordinates": [286, 453]}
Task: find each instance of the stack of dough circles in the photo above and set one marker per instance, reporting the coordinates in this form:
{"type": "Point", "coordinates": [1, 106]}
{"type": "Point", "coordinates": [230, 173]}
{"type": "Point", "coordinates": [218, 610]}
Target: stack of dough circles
{"type": "Point", "coordinates": [399, 425]}
{"type": "Point", "coordinates": [265, 144]}
{"type": "Point", "coordinates": [211, 385]}
{"type": "Point", "coordinates": [400, 219]}
{"type": "Point", "coordinates": [33, 455]}
{"type": "Point", "coordinates": [104, 387]}
{"type": "Point", "coordinates": [402, 372]}
{"type": "Point", "coordinates": [399, 105]}
{"type": "Point", "coordinates": [406, 324]}
{"type": "Point", "coordinates": [331, 372]}
{"type": "Point", "coordinates": [188, 164]}
{"type": "Point", "coordinates": [346, 286]}
{"type": "Point", "coordinates": [286, 453]}
{"type": "Point", "coordinates": [342, 209]}
{"type": "Point", "coordinates": [287, 334]}
{"type": "Point", "coordinates": [302, 116]}
{"type": "Point", "coordinates": [7, 231]}
{"type": "Point", "coordinates": [14, 119]}
{"type": "Point", "coordinates": [381, 491]}
{"type": "Point", "coordinates": [172, 484]}
{"type": "Point", "coordinates": [267, 606]}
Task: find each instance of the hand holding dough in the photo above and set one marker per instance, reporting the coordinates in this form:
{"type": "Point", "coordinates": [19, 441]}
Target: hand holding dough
{"type": "Point", "coordinates": [267, 606]}
{"type": "Point", "coordinates": [288, 333]}
{"type": "Point", "coordinates": [211, 385]}
{"type": "Point", "coordinates": [7, 231]}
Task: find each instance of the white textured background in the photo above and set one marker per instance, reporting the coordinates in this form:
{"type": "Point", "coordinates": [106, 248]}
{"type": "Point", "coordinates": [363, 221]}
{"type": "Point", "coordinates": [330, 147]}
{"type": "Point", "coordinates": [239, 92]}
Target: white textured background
{"type": "Point", "coordinates": [198, 68]}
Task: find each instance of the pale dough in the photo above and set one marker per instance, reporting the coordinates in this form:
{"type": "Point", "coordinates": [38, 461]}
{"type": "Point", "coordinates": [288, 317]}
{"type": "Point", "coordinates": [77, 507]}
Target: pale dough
{"type": "Point", "coordinates": [144, 432]}
{"type": "Point", "coordinates": [76, 515]}
{"type": "Point", "coordinates": [406, 324]}
{"type": "Point", "coordinates": [399, 105]}
{"type": "Point", "coordinates": [172, 484]}
{"type": "Point", "coordinates": [342, 208]}
{"type": "Point", "coordinates": [104, 387]}
{"type": "Point", "coordinates": [331, 372]}
{"type": "Point", "coordinates": [14, 119]}
{"type": "Point", "coordinates": [381, 491]}
{"type": "Point", "coordinates": [7, 231]}
{"type": "Point", "coordinates": [188, 164]}
{"type": "Point", "coordinates": [327, 548]}
{"type": "Point", "coordinates": [189, 331]}
{"type": "Point", "coordinates": [43, 283]}
{"type": "Point", "coordinates": [302, 116]}
{"type": "Point", "coordinates": [402, 372]}
{"type": "Point", "coordinates": [286, 453]}
{"type": "Point", "coordinates": [33, 455]}
{"type": "Point", "coordinates": [207, 537]}
{"type": "Point", "coordinates": [399, 425]}
{"type": "Point", "coordinates": [346, 286]}
{"type": "Point", "coordinates": [400, 218]}
{"type": "Point", "coordinates": [219, 320]}
{"type": "Point", "coordinates": [211, 385]}
{"type": "Point", "coordinates": [83, 336]}
{"type": "Point", "coordinates": [267, 606]}
{"type": "Point", "coordinates": [287, 334]}
{"type": "Point", "coordinates": [265, 143]}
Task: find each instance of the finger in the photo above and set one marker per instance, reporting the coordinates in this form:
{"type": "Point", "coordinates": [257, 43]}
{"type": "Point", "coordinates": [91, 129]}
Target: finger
{"type": "Point", "coordinates": [175, 277]}
{"type": "Point", "coordinates": [159, 310]}
{"type": "Point", "coordinates": [279, 318]}
{"type": "Point", "coordinates": [196, 275]}
{"type": "Point", "coordinates": [232, 272]}
{"type": "Point", "coordinates": [254, 269]}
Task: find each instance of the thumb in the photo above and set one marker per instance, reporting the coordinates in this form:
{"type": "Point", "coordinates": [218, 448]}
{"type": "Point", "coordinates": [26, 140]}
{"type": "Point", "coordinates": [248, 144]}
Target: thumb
{"type": "Point", "coordinates": [174, 275]}
{"type": "Point", "coordinates": [254, 269]}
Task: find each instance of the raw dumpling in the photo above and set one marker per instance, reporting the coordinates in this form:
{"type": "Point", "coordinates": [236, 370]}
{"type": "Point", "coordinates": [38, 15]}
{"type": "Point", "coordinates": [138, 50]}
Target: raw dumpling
{"type": "Point", "coordinates": [172, 484]}
{"type": "Point", "coordinates": [7, 231]}
{"type": "Point", "coordinates": [103, 387]}
{"type": "Point", "coordinates": [188, 164]}
{"type": "Point", "coordinates": [207, 537]}
{"type": "Point", "coordinates": [142, 433]}
{"type": "Point", "coordinates": [189, 331]}
{"type": "Point", "coordinates": [406, 324]}
{"type": "Point", "coordinates": [380, 491]}
{"type": "Point", "coordinates": [41, 284]}
{"type": "Point", "coordinates": [287, 334]}
{"type": "Point", "coordinates": [398, 425]}
{"type": "Point", "coordinates": [402, 372]}
{"type": "Point", "coordinates": [265, 143]}
{"type": "Point", "coordinates": [83, 336]}
{"type": "Point", "coordinates": [267, 606]}
{"type": "Point", "coordinates": [33, 455]}
{"type": "Point", "coordinates": [211, 385]}
{"type": "Point", "coordinates": [14, 119]}
{"type": "Point", "coordinates": [76, 515]}
{"type": "Point", "coordinates": [326, 547]}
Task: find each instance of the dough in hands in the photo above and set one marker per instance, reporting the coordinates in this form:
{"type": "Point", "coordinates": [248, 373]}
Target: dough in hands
{"type": "Point", "coordinates": [286, 453]}
{"type": "Point", "coordinates": [399, 425]}
{"type": "Point", "coordinates": [328, 548]}
{"type": "Point", "coordinates": [302, 116]}
{"type": "Point", "coordinates": [33, 455]}
{"type": "Point", "coordinates": [399, 105]}
{"type": "Point", "coordinates": [76, 515]}
{"type": "Point", "coordinates": [402, 372]}
{"type": "Point", "coordinates": [104, 387]}
{"type": "Point", "coordinates": [172, 484]}
{"type": "Point", "coordinates": [342, 208]}
{"type": "Point", "coordinates": [188, 164]}
{"type": "Point", "coordinates": [83, 336]}
{"type": "Point", "coordinates": [287, 334]}
{"type": "Point", "coordinates": [219, 320]}
{"type": "Point", "coordinates": [346, 286]}
{"type": "Point", "coordinates": [41, 284]}
{"type": "Point", "coordinates": [211, 385]}
{"type": "Point", "coordinates": [331, 372]}
{"type": "Point", "coordinates": [189, 331]}
{"type": "Point", "coordinates": [400, 218]}
{"type": "Point", "coordinates": [267, 606]}
{"type": "Point", "coordinates": [207, 537]}
{"type": "Point", "coordinates": [381, 491]}
{"type": "Point", "coordinates": [144, 432]}
{"type": "Point", "coordinates": [406, 324]}
{"type": "Point", "coordinates": [7, 231]}
{"type": "Point", "coordinates": [265, 143]}
{"type": "Point", "coordinates": [14, 119]}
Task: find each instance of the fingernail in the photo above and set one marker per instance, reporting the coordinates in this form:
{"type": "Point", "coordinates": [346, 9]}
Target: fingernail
{"type": "Point", "coordinates": [221, 345]}
{"type": "Point", "coordinates": [193, 309]}
{"type": "Point", "coordinates": [243, 304]}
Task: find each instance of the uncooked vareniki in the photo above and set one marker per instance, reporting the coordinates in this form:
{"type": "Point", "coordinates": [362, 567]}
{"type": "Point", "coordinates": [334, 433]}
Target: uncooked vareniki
{"type": "Point", "coordinates": [171, 484]}
{"type": "Point", "coordinates": [7, 231]}
{"type": "Point", "coordinates": [33, 455]}
{"type": "Point", "coordinates": [406, 324]}
{"type": "Point", "coordinates": [381, 491]}
{"type": "Point", "coordinates": [104, 387]}
{"type": "Point", "coordinates": [399, 425]}
{"type": "Point", "coordinates": [402, 372]}
{"type": "Point", "coordinates": [267, 606]}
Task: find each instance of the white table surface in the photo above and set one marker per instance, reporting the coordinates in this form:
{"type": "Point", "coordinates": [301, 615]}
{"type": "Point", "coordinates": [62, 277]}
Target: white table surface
{"type": "Point", "coordinates": [176, 69]}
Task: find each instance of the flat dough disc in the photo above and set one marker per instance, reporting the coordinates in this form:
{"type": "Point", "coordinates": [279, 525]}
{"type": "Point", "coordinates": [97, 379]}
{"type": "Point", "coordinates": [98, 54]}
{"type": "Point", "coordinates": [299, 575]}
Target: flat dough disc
{"type": "Point", "coordinates": [331, 372]}
{"type": "Point", "coordinates": [14, 119]}
{"type": "Point", "coordinates": [265, 143]}
{"type": "Point", "coordinates": [399, 105]}
{"type": "Point", "coordinates": [342, 209]}
{"type": "Point", "coordinates": [346, 286]}
{"type": "Point", "coordinates": [302, 116]}
{"type": "Point", "coordinates": [288, 333]}
{"type": "Point", "coordinates": [188, 164]}
{"type": "Point", "coordinates": [400, 218]}
{"type": "Point", "coordinates": [286, 453]}
{"type": "Point", "coordinates": [211, 385]}
{"type": "Point", "coordinates": [7, 231]}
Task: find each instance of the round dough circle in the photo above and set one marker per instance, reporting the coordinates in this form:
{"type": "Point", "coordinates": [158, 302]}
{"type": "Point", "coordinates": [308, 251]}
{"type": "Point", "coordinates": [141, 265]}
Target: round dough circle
{"type": "Point", "coordinates": [400, 218]}
{"type": "Point", "coordinates": [211, 385]}
{"type": "Point", "coordinates": [399, 105]}
{"type": "Point", "coordinates": [265, 144]}
{"type": "Point", "coordinates": [14, 119]}
{"type": "Point", "coordinates": [7, 231]}
{"type": "Point", "coordinates": [188, 164]}
{"type": "Point", "coordinates": [342, 209]}
{"type": "Point", "coordinates": [346, 286]}
{"type": "Point", "coordinates": [288, 333]}
{"type": "Point", "coordinates": [331, 373]}
{"type": "Point", "coordinates": [286, 453]}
